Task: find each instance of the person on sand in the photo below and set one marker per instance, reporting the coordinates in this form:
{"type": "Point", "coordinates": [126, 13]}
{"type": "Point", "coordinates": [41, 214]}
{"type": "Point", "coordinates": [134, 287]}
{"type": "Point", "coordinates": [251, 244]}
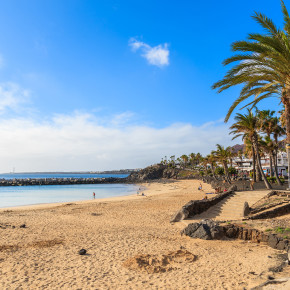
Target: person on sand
{"type": "Point", "coordinates": [200, 187]}
{"type": "Point", "coordinates": [94, 195]}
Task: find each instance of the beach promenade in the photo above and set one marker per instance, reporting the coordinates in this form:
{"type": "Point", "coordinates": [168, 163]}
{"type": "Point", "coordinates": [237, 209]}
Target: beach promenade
{"type": "Point", "coordinates": [115, 232]}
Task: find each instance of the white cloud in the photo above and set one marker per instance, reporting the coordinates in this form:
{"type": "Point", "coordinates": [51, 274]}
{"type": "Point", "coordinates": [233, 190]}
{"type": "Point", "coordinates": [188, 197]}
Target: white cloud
{"type": "Point", "coordinates": [12, 97]}
{"type": "Point", "coordinates": [80, 142]}
{"type": "Point", "coordinates": [157, 55]}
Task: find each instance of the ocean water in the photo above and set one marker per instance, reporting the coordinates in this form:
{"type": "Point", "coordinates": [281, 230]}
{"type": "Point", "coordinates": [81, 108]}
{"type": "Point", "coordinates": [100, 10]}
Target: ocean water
{"type": "Point", "coordinates": [27, 195]}
{"type": "Point", "coordinates": [58, 175]}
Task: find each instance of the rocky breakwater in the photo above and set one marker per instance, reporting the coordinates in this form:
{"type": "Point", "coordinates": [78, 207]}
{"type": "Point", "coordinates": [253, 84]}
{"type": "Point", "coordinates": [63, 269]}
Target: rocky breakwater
{"type": "Point", "coordinates": [60, 181]}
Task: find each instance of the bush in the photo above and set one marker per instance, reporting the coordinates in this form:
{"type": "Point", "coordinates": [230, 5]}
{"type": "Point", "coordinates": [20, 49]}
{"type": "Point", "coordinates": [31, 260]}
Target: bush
{"type": "Point", "coordinates": [232, 171]}
{"type": "Point", "coordinates": [272, 179]}
{"type": "Point", "coordinates": [219, 171]}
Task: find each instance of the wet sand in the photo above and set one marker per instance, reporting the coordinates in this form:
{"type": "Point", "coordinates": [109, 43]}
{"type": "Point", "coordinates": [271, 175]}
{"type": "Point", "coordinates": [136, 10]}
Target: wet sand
{"type": "Point", "coordinates": [116, 232]}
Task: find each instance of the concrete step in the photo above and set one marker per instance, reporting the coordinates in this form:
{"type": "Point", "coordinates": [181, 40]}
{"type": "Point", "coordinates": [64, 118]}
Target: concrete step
{"type": "Point", "coordinates": [231, 208]}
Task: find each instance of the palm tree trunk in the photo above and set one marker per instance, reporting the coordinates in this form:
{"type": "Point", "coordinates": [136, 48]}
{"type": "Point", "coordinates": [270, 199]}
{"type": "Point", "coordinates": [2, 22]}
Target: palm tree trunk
{"type": "Point", "coordinates": [227, 172]}
{"type": "Point", "coordinates": [271, 166]}
{"type": "Point", "coordinates": [275, 169]}
{"type": "Point", "coordinates": [255, 143]}
{"type": "Point", "coordinates": [254, 164]}
{"type": "Point", "coordinates": [286, 101]}
{"type": "Point", "coordinates": [258, 172]}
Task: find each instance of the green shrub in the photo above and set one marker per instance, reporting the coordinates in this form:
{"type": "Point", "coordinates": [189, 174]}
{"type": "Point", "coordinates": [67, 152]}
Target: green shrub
{"type": "Point", "coordinates": [268, 230]}
{"type": "Point", "coordinates": [219, 171]}
{"type": "Point", "coordinates": [280, 230]}
{"type": "Point", "coordinates": [232, 170]}
{"type": "Point", "coordinates": [272, 179]}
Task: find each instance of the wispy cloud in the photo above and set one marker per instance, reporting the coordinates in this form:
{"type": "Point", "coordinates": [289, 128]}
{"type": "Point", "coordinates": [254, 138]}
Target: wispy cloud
{"type": "Point", "coordinates": [156, 55]}
{"type": "Point", "coordinates": [12, 97]}
{"type": "Point", "coordinates": [79, 141]}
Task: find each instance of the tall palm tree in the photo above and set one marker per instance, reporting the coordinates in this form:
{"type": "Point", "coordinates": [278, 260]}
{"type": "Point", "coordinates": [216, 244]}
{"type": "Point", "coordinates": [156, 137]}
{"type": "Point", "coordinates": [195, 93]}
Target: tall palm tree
{"type": "Point", "coordinates": [212, 161]}
{"type": "Point", "coordinates": [263, 67]}
{"type": "Point", "coordinates": [266, 125]}
{"type": "Point", "coordinates": [185, 160]}
{"type": "Point", "coordinates": [270, 148]}
{"type": "Point", "coordinates": [247, 126]}
{"type": "Point", "coordinates": [222, 154]}
{"type": "Point", "coordinates": [249, 151]}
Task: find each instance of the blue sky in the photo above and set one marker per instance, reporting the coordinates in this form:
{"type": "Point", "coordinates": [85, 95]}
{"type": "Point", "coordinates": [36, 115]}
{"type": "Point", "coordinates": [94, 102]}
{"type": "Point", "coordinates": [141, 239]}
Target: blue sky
{"type": "Point", "coordinates": [93, 85]}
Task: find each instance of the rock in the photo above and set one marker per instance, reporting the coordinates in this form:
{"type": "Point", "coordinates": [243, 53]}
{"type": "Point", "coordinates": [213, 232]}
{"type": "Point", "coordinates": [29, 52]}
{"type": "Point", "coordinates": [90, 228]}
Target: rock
{"type": "Point", "coordinates": [273, 241]}
{"type": "Point", "coordinates": [153, 172]}
{"type": "Point", "coordinates": [282, 245]}
{"type": "Point", "coordinates": [190, 229]}
{"type": "Point", "coordinates": [205, 230]}
{"type": "Point", "coordinates": [82, 252]}
{"type": "Point", "coordinates": [215, 230]}
{"type": "Point", "coordinates": [246, 209]}
{"type": "Point", "coordinates": [231, 232]}
{"type": "Point", "coordinates": [180, 215]}
{"type": "Point", "coordinates": [23, 226]}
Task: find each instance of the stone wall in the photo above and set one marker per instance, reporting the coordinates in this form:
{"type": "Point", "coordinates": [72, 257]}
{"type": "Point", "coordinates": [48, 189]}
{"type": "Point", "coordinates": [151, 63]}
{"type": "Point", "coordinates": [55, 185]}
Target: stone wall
{"type": "Point", "coordinates": [209, 230]}
{"type": "Point", "coordinates": [238, 232]}
{"type": "Point", "coordinates": [278, 211]}
{"type": "Point", "coordinates": [195, 207]}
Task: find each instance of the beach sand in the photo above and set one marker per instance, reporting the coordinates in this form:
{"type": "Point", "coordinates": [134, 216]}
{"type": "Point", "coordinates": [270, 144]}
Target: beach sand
{"type": "Point", "coordinates": [130, 244]}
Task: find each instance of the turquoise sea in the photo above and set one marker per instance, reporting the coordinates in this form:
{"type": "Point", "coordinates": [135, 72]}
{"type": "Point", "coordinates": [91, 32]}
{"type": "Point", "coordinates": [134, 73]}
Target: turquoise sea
{"type": "Point", "coordinates": [27, 195]}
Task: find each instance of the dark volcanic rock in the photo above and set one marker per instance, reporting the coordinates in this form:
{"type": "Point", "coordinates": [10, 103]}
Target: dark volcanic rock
{"type": "Point", "coordinates": [205, 230]}
{"type": "Point", "coordinates": [273, 241]}
{"type": "Point", "coordinates": [153, 172]}
{"type": "Point", "coordinates": [282, 245]}
{"type": "Point", "coordinates": [82, 252]}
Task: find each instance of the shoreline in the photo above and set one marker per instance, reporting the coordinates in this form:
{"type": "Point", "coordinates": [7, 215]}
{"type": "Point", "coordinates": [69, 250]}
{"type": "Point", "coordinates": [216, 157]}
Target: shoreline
{"type": "Point", "coordinates": [79, 202]}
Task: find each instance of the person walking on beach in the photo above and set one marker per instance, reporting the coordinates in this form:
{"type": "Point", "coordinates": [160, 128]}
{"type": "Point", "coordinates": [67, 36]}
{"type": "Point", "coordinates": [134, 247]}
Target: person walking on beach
{"type": "Point", "coordinates": [94, 195]}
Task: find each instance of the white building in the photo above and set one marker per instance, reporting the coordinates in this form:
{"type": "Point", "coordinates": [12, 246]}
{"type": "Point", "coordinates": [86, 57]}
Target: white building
{"type": "Point", "coordinates": [246, 164]}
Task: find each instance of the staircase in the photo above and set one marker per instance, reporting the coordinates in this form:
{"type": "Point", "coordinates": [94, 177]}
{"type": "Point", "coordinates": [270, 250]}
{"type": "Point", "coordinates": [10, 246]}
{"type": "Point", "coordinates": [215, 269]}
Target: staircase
{"type": "Point", "coordinates": [231, 208]}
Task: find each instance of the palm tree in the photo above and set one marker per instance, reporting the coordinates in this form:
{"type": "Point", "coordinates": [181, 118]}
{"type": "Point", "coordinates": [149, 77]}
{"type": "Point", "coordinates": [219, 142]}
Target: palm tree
{"type": "Point", "coordinates": [192, 159]}
{"type": "Point", "coordinates": [222, 155]}
{"type": "Point", "coordinates": [185, 160]}
{"type": "Point", "coordinates": [263, 67]}
{"type": "Point", "coordinates": [247, 126]}
{"type": "Point", "coordinates": [270, 148]}
{"type": "Point", "coordinates": [198, 158]}
{"type": "Point", "coordinates": [212, 161]}
{"type": "Point", "coordinates": [266, 125]}
{"type": "Point", "coordinates": [249, 152]}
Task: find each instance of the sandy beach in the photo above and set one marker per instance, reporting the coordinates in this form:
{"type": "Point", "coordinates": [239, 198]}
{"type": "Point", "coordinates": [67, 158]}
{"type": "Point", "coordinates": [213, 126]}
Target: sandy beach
{"type": "Point", "coordinates": [118, 233]}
